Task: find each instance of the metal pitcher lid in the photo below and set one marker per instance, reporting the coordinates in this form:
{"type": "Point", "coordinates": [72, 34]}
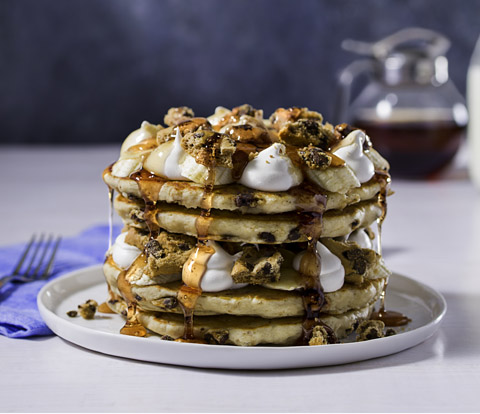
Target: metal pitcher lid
{"type": "Point", "coordinates": [411, 55]}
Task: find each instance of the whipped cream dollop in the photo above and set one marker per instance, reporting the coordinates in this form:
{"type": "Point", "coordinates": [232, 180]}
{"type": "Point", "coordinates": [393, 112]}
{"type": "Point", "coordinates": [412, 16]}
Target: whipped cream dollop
{"type": "Point", "coordinates": [146, 131]}
{"type": "Point", "coordinates": [271, 170]}
{"type": "Point", "coordinates": [166, 158]}
{"type": "Point", "coordinates": [361, 237]}
{"type": "Point", "coordinates": [217, 275]}
{"type": "Point", "coordinates": [332, 272]}
{"type": "Point", "coordinates": [124, 254]}
{"type": "Point", "coordinates": [352, 153]}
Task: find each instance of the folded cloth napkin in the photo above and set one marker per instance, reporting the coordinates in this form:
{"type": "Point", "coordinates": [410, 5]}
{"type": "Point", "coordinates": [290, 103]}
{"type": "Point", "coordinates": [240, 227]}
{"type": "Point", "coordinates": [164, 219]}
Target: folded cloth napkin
{"type": "Point", "coordinates": [19, 315]}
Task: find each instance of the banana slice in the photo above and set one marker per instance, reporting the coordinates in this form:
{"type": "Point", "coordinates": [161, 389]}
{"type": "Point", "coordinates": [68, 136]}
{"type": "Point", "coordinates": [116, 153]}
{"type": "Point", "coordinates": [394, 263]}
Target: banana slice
{"type": "Point", "coordinates": [198, 173]}
{"type": "Point", "coordinates": [146, 131]}
{"type": "Point", "coordinates": [334, 179]}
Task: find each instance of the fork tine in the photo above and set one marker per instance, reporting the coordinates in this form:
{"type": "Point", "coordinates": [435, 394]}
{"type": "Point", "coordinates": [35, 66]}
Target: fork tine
{"type": "Point", "coordinates": [16, 271]}
{"type": "Point", "coordinates": [48, 269]}
{"type": "Point", "coordinates": [42, 257]}
{"type": "Point", "coordinates": [35, 252]}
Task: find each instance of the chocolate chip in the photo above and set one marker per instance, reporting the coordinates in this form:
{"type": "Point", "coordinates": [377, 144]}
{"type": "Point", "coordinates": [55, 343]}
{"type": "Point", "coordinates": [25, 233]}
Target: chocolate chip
{"type": "Point", "coordinates": [167, 338]}
{"type": "Point", "coordinates": [267, 268]}
{"type": "Point", "coordinates": [245, 109]}
{"type": "Point", "coordinates": [360, 266]}
{"type": "Point", "coordinates": [294, 234]}
{"type": "Point", "coordinates": [154, 248]}
{"type": "Point", "coordinates": [342, 130]}
{"type": "Point", "coordinates": [311, 126]}
{"type": "Point", "coordinates": [267, 236]}
{"type": "Point", "coordinates": [245, 200]}
{"type": "Point", "coordinates": [170, 302]}
{"type": "Point", "coordinates": [246, 127]}
{"type": "Point", "coordinates": [314, 157]}
{"type": "Point", "coordinates": [184, 246]}
{"type": "Point", "coordinates": [358, 259]}
{"type": "Point", "coordinates": [219, 337]}
{"type": "Point", "coordinates": [72, 313]}
{"type": "Point", "coordinates": [138, 298]}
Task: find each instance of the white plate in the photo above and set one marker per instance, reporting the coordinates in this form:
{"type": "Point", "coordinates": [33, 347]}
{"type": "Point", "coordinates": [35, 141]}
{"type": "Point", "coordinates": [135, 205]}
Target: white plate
{"type": "Point", "coordinates": [425, 306]}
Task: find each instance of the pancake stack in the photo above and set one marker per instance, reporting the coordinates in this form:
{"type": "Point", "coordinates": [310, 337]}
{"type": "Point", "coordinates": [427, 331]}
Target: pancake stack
{"type": "Point", "coordinates": [242, 230]}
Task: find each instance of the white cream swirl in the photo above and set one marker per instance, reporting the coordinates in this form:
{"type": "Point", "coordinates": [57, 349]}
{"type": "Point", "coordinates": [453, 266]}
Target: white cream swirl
{"type": "Point", "coordinates": [360, 237]}
{"type": "Point", "coordinates": [352, 153]}
{"type": "Point", "coordinates": [332, 272]}
{"type": "Point", "coordinates": [271, 170]}
{"type": "Point", "coordinates": [218, 277]}
{"type": "Point", "coordinates": [124, 254]}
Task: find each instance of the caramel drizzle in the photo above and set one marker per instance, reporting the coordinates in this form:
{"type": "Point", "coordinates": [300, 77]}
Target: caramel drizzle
{"type": "Point", "coordinates": [388, 317]}
{"type": "Point", "coordinates": [313, 297]}
{"type": "Point", "coordinates": [132, 326]}
{"type": "Point", "coordinates": [149, 186]}
{"type": "Point", "coordinates": [104, 308]}
{"type": "Point", "coordinates": [196, 266]}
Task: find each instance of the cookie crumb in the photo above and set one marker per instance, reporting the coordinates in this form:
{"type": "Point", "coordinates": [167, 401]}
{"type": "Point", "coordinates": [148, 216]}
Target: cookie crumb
{"type": "Point", "coordinates": [72, 313]}
{"type": "Point", "coordinates": [166, 338]}
{"type": "Point", "coordinates": [319, 336]}
{"type": "Point", "coordinates": [370, 329]}
{"type": "Point", "coordinates": [390, 332]}
{"type": "Point", "coordinates": [87, 310]}
{"type": "Point", "coordinates": [216, 337]}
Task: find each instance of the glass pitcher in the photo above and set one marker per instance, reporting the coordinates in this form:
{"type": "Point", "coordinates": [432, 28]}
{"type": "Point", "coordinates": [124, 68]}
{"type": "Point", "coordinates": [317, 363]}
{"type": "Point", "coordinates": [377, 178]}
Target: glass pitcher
{"type": "Point", "coordinates": [473, 98]}
{"type": "Point", "coordinates": [413, 113]}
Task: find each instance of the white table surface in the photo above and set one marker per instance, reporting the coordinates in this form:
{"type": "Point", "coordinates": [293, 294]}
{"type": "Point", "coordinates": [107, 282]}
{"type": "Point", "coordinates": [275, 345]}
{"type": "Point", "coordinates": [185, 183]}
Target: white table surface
{"type": "Point", "coordinates": [432, 233]}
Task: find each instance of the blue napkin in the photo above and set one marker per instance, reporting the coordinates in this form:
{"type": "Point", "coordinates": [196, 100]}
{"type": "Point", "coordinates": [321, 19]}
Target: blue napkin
{"type": "Point", "coordinates": [19, 315]}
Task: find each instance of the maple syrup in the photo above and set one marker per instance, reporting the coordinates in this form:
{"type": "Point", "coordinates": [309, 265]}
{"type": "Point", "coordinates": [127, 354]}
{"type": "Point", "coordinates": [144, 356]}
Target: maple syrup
{"type": "Point", "coordinates": [415, 149]}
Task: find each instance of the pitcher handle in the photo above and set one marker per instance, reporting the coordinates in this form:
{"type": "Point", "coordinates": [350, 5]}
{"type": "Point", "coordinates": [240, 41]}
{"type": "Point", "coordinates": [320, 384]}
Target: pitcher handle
{"type": "Point", "coordinates": [345, 80]}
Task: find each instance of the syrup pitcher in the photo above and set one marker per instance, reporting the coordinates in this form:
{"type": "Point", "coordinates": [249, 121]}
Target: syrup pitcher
{"type": "Point", "coordinates": [413, 113]}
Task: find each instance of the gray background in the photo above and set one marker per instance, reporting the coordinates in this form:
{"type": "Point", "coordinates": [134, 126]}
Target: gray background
{"type": "Point", "coordinates": [89, 71]}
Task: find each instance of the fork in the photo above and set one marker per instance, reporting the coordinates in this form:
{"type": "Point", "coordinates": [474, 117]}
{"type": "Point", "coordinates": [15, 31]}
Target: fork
{"type": "Point", "coordinates": [42, 268]}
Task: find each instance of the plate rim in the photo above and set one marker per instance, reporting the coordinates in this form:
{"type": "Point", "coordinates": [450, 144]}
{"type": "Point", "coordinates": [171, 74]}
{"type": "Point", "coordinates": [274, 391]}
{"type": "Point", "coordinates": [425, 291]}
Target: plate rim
{"type": "Point", "coordinates": [59, 325]}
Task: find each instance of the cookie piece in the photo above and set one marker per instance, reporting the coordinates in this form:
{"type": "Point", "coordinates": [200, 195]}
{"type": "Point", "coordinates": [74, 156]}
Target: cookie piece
{"type": "Point", "coordinates": [177, 115]}
{"type": "Point", "coordinates": [187, 126]}
{"type": "Point", "coordinates": [282, 116]}
{"type": "Point", "coordinates": [166, 254]}
{"type": "Point", "coordinates": [206, 145]}
{"type": "Point", "coordinates": [370, 329]}
{"type": "Point", "coordinates": [304, 132]}
{"type": "Point", "coordinates": [314, 158]}
{"type": "Point", "coordinates": [319, 336]}
{"type": "Point", "coordinates": [257, 265]}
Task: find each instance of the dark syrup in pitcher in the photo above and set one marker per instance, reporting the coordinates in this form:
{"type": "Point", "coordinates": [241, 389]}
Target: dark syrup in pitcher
{"type": "Point", "coordinates": [417, 144]}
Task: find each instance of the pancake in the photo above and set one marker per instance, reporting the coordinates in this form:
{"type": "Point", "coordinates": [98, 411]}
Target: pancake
{"type": "Point", "coordinates": [245, 330]}
{"type": "Point", "coordinates": [249, 300]}
{"type": "Point", "coordinates": [236, 197]}
{"type": "Point", "coordinates": [278, 228]}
